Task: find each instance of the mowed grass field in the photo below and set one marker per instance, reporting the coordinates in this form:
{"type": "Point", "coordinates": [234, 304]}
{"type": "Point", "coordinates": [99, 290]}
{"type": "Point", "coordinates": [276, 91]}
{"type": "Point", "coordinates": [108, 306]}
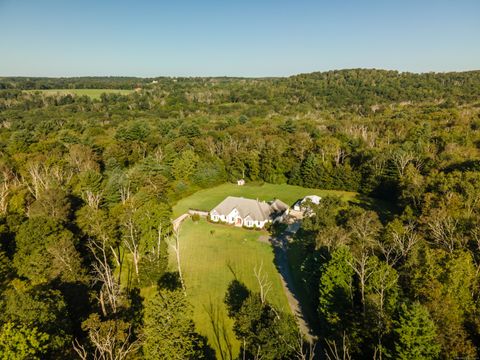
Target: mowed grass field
{"type": "Point", "coordinates": [207, 199]}
{"type": "Point", "coordinates": [93, 93]}
{"type": "Point", "coordinates": [210, 254]}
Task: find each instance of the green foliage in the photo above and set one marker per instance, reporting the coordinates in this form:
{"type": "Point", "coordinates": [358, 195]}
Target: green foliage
{"type": "Point", "coordinates": [110, 337]}
{"type": "Point", "coordinates": [195, 217]}
{"type": "Point", "coordinates": [22, 342]}
{"type": "Point", "coordinates": [184, 167]}
{"type": "Point", "coordinates": [169, 329]}
{"type": "Point", "coordinates": [445, 283]}
{"type": "Point", "coordinates": [209, 173]}
{"type": "Point", "coordinates": [6, 272]}
{"type": "Point", "coordinates": [259, 326]}
{"type": "Point", "coordinates": [416, 334]}
{"type": "Point", "coordinates": [90, 181]}
{"type": "Point", "coordinates": [336, 292]}
{"type": "Point", "coordinates": [77, 153]}
{"type": "Point", "coordinates": [41, 309]}
{"type": "Point", "coordinates": [53, 204]}
{"type": "Point", "coordinates": [137, 131]}
{"type": "Point", "coordinates": [45, 251]}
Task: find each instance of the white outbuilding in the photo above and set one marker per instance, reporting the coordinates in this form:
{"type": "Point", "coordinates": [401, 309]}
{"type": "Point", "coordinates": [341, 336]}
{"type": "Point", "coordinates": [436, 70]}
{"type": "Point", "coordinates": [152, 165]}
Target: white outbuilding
{"type": "Point", "coordinates": [301, 205]}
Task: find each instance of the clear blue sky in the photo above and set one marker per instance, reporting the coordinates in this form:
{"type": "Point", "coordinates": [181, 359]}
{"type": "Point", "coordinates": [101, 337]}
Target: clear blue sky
{"type": "Point", "coordinates": [235, 37]}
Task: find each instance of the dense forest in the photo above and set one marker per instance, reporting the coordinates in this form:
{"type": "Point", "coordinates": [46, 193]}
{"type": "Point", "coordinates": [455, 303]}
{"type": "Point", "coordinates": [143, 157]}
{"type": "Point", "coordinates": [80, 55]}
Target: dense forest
{"type": "Point", "coordinates": [85, 183]}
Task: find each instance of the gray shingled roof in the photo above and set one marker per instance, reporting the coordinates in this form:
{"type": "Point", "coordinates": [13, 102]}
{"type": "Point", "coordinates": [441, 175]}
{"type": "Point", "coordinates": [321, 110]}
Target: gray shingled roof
{"type": "Point", "coordinates": [278, 206]}
{"type": "Point", "coordinates": [258, 210]}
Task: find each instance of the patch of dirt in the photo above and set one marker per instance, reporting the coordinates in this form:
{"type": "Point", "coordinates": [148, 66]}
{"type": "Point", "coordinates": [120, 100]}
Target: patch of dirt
{"type": "Point", "coordinates": [264, 239]}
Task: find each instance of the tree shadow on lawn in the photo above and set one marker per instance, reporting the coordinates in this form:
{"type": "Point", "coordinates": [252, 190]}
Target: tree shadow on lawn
{"type": "Point", "coordinates": [170, 281]}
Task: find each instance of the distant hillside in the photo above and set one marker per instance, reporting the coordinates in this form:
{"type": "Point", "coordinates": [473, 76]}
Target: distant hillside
{"type": "Point", "coordinates": [357, 88]}
{"type": "Point", "coordinates": [363, 86]}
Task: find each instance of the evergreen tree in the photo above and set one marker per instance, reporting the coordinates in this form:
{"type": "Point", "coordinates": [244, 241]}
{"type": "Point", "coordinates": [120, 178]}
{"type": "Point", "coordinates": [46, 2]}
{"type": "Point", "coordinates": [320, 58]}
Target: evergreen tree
{"type": "Point", "coordinates": [416, 336]}
{"type": "Point", "coordinates": [169, 329]}
{"type": "Point", "coordinates": [336, 293]}
{"type": "Point", "coordinates": [264, 331]}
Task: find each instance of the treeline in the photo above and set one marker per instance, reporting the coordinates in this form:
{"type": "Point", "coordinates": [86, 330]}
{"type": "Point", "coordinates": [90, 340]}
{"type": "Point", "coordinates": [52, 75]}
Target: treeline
{"type": "Point", "coordinates": [362, 89]}
{"type": "Point", "coordinates": [403, 288]}
{"type": "Point", "coordinates": [371, 87]}
{"type": "Point", "coordinates": [87, 187]}
{"type": "Point", "coordinates": [45, 83]}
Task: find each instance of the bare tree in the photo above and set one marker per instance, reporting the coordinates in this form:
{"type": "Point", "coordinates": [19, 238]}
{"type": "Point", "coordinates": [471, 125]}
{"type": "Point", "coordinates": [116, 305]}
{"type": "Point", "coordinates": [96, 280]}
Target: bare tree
{"type": "Point", "coordinates": [110, 295]}
{"type": "Point", "coordinates": [5, 188]}
{"type": "Point", "coordinates": [125, 192]}
{"type": "Point", "coordinates": [61, 175]}
{"type": "Point", "coordinates": [80, 350]}
{"type": "Point", "coordinates": [471, 201]}
{"type": "Point", "coordinates": [339, 156]}
{"type": "Point", "coordinates": [158, 154]}
{"type": "Point", "coordinates": [131, 238]}
{"type": "Point", "coordinates": [264, 284]}
{"type": "Point", "coordinates": [402, 158]}
{"type": "Point", "coordinates": [362, 132]}
{"type": "Point", "coordinates": [93, 199]}
{"type": "Point", "coordinates": [82, 158]}
{"type": "Point", "coordinates": [384, 279]}
{"type": "Point", "coordinates": [336, 351]}
{"type": "Point", "coordinates": [175, 245]}
{"type": "Point", "coordinates": [364, 229]}
{"type": "Point", "coordinates": [39, 176]}
{"type": "Point", "coordinates": [402, 242]}
{"type": "Point", "coordinates": [4, 196]}
{"type": "Point", "coordinates": [332, 237]}
{"type": "Point", "coordinates": [304, 350]}
{"type": "Point", "coordinates": [111, 340]}
{"type": "Point", "coordinates": [42, 177]}
{"type": "Point", "coordinates": [153, 248]}
{"type": "Point", "coordinates": [444, 230]}
{"type": "Point", "coordinates": [362, 268]}
{"type": "Point", "coordinates": [405, 241]}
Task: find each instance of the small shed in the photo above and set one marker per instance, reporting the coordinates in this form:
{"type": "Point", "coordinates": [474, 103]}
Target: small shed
{"type": "Point", "coordinates": [240, 182]}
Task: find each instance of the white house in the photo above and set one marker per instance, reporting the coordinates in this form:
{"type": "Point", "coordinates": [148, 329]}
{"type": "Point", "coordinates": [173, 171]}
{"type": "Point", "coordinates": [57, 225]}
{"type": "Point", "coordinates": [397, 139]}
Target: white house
{"type": "Point", "coordinates": [247, 212]}
{"type": "Point", "coordinates": [240, 182]}
{"type": "Point", "coordinates": [301, 205]}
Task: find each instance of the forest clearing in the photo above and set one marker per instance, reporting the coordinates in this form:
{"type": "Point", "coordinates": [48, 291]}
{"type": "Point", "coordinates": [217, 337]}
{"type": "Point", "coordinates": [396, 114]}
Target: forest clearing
{"type": "Point", "coordinates": [206, 199]}
{"type": "Point", "coordinates": [92, 93]}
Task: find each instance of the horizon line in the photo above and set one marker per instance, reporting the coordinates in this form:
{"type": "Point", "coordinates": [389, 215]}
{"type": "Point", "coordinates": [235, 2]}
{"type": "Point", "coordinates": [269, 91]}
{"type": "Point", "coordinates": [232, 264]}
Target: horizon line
{"type": "Point", "coordinates": [239, 76]}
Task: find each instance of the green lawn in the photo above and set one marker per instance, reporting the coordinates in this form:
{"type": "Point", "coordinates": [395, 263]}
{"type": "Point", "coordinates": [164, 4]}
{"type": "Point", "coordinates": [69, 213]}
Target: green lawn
{"type": "Point", "coordinates": [93, 93]}
{"type": "Point", "coordinates": [207, 199]}
{"type": "Point", "coordinates": [207, 252]}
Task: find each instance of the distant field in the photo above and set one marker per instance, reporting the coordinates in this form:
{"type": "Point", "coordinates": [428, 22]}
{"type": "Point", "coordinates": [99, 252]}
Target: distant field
{"type": "Point", "coordinates": [208, 198]}
{"type": "Point", "coordinates": [207, 251]}
{"type": "Point", "coordinates": [93, 93]}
